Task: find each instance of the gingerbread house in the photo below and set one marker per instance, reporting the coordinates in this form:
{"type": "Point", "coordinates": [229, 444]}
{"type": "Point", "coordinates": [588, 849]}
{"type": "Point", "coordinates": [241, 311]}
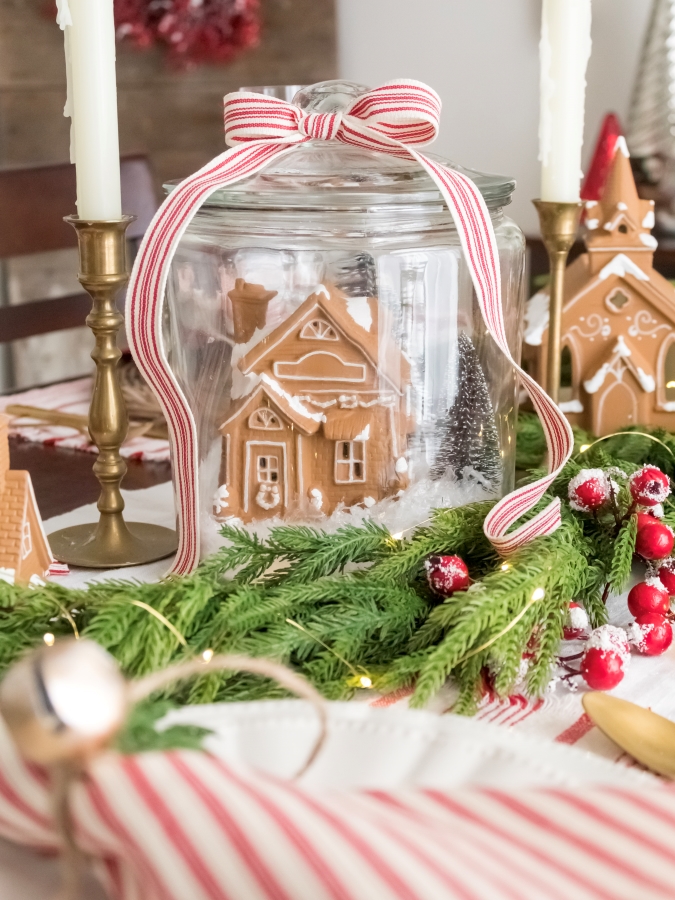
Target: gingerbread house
{"type": "Point", "coordinates": [319, 411]}
{"type": "Point", "coordinates": [618, 321]}
{"type": "Point", "coordinates": [24, 549]}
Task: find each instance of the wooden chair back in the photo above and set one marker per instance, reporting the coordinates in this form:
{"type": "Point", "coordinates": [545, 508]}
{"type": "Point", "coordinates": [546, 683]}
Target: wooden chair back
{"type": "Point", "coordinates": [33, 203]}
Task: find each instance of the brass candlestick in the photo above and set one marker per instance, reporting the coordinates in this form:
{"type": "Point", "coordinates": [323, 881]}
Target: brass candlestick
{"type": "Point", "coordinates": [559, 225]}
{"type": "Point", "coordinates": [111, 542]}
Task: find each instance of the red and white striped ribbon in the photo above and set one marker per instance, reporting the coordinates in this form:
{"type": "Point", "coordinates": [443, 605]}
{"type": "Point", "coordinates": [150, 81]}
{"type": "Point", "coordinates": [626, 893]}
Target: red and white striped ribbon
{"type": "Point", "coordinates": [393, 119]}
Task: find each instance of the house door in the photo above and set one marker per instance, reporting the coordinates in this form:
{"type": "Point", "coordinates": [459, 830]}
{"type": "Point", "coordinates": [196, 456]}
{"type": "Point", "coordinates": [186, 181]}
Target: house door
{"type": "Point", "coordinates": [266, 479]}
{"type": "Point", "coordinates": [616, 407]}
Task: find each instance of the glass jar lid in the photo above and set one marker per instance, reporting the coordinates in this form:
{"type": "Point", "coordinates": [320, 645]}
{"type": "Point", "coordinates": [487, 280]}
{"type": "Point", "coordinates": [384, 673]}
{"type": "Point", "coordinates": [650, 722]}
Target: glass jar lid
{"type": "Point", "coordinates": [322, 175]}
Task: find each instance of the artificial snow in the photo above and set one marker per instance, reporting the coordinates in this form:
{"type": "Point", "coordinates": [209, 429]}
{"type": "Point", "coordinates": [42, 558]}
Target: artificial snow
{"type": "Point", "coordinates": [220, 499]}
{"type": "Point", "coordinates": [649, 220]}
{"type": "Point", "coordinates": [621, 205]}
{"type": "Point", "coordinates": [316, 499]}
{"type": "Point", "coordinates": [621, 349]}
{"type": "Point", "coordinates": [621, 265]}
{"type": "Point", "coordinates": [401, 465]}
{"type": "Point", "coordinates": [592, 224]}
{"type": "Point", "coordinates": [320, 289]}
{"type": "Point", "coordinates": [359, 309]}
{"type": "Point", "coordinates": [369, 502]}
{"type": "Point", "coordinates": [364, 435]}
{"type": "Point", "coordinates": [571, 406]}
{"type": "Point", "coordinates": [649, 241]}
{"type": "Point", "coordinates": [577, 618]}
{"type": "Point", "coordinates": [536, 318]}
{"type": "Point", "coordinates": [7, 575]}
{"type": "Point", "coordinates": [610, 639]}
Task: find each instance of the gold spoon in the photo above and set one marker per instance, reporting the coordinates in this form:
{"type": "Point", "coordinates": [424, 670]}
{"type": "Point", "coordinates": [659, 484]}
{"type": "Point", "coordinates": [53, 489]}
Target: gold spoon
{"type": "Point", "coordinates": [648, 738]}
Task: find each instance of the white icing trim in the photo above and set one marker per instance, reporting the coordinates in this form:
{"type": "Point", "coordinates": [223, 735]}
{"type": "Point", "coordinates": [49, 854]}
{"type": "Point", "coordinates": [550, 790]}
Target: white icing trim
{"type": "Point", "coordinates": [649, 241]}
{"type": "Point", "coordinates": [280, 367]}
{"type": "Point", "coordinates": [649, 220]}
{"type": "Point", "coordinates": [622, 146]}
{"type": "Point", "coordinates": [359, 309]}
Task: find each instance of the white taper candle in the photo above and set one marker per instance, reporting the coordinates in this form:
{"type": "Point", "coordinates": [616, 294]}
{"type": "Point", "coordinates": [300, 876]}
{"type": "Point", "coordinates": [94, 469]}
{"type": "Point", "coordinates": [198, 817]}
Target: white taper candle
{"type": "Point", "coordinates": [91, 103]}
{"type": "Point", "coordinates": [565, 50]}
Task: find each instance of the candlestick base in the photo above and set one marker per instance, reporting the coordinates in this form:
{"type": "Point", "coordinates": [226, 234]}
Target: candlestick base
{"type": "Point", "coordinates": [109, 543]}
{"type": "Point", "coordinates": [559, 224]}
{"type": "Point", "coordinates": [112, 544]}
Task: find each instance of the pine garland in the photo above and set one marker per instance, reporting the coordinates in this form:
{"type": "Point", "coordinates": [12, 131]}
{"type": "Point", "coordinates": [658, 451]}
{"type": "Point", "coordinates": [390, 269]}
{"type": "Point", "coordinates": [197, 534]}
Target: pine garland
{"type": "Point", "coordinates": [354, 607]}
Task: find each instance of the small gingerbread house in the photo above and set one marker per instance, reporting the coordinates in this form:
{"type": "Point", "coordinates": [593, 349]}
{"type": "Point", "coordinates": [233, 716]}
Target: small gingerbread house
{"type": "Point", "coordinates": [618, 321]}
{"type": "Point", "coordinates": [24, 549]}
{"type": "Point", "coordinates": [319, 409]}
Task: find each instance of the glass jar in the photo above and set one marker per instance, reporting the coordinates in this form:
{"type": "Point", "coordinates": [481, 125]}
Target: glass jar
{"type": "Point", "coordinates": [323, 325]}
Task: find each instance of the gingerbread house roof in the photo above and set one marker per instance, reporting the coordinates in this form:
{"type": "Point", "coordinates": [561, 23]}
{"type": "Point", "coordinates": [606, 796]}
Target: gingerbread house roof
{"type": "Point", "coordinates": [622, 354]}
{"type": "Point", "coordinates": [359, 319]}
{"type": "Point", "coordinates": [14, 500]}
{"type": "Point", "coordinates": [293, 409]}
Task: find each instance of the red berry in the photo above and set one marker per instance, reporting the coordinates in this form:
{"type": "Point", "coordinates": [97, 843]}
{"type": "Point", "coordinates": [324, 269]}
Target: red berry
{"type": "Point", "coordinates": [649, 486]}
{"type": "Point", "coordinates": [447, 574]}
{"type": "Point", "coordinates": [588, 490]}
{"type": "Point", "coordinates": [648, 597]}
{"type": "Point", "coordinates": [666, 575]}
{"type": "Point", "coordinates": [576, 622]}
{"type": "Point", "coordinates": [645, 518]}
{"type": "Point", "coordinates": [654, 541]}
{"type": "Point", "coordinates": [652, 634]}
{"type": "Point", "coordinates": [605, 658]}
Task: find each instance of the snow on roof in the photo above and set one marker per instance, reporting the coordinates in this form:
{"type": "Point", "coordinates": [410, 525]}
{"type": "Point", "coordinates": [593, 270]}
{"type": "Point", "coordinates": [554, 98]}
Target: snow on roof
{"type": "Point", "coordinates": [536, 318]}
{"type": "Point", "coordinates": [632, 360]}
{"type": "Point", "coordinates": [622, 146]}
{"type": "Point", "coordinates": [621, 265]}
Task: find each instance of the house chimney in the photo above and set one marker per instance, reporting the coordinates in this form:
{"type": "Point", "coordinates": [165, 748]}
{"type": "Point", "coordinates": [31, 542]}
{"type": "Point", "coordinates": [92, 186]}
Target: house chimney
{"type": "Point", "coordinates": [4, 450]}
{"type": "Point", "coordinates": [249, 308]}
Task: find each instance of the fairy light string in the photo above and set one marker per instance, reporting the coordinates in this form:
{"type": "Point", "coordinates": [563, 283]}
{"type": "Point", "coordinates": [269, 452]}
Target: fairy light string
{"type": "Point", "coordinates": [363, 678]}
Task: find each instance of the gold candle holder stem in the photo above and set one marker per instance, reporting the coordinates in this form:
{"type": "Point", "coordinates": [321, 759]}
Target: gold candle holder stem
{"type": "Point", "coordinates": [110, 543]}
{"type": "Point", "coordinates": [559, 224]}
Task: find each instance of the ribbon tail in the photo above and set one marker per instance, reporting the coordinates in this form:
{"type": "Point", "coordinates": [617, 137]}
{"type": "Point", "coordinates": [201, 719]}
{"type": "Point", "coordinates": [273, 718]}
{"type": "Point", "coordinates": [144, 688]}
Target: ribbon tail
{"type": "Point", "coordinates": [145, 319]}
{"type": "Point", "coordinates": [472, 218]}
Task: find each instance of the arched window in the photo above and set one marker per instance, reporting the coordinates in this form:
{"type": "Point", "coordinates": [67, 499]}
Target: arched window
{"type": "Point", "coordinates": [319, 330]}
{"type": "Point", "coordinates": [566, 381]}
{"type": "Point", "coordinates": [264, 419]}
{"type": "Point", "coordinates": [669, 373]}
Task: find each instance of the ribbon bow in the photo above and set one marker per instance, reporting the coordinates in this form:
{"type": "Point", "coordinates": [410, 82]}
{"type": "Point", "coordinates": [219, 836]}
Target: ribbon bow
{"type": "Point", "coordinates": [392, 119]}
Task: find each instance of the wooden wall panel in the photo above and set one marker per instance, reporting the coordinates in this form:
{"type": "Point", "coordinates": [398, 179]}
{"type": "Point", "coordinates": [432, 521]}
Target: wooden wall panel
{"type": "Point", "coordinates": [175, 117]}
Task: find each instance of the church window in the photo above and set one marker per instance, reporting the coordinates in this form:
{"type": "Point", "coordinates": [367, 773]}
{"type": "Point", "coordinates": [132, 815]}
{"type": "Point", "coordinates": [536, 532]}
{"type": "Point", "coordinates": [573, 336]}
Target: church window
{"type": "Point", "coordinates": [319, 330]}
{"type": "Point", "coordinates": [617, 300]}
{"type": "Point", "coordinates": [566, 379]}
{"type": "Point", "coordinates": [669, 374]}
{"type": "Point", "coordinates": [350, 462]}
{"type": "Point", "coordinates": [264, 420]}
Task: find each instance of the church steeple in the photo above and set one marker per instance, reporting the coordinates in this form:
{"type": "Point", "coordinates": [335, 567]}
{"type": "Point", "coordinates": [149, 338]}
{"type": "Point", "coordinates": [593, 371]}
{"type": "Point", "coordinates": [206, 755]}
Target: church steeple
{"type": "Point", "coordinates": [620, 222]}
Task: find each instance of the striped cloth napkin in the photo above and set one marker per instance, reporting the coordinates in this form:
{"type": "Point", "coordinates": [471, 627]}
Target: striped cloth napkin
{"type": "Point", "coordinates": [72, 397]}
{"type": "Point", "coordinates": [188, 826]}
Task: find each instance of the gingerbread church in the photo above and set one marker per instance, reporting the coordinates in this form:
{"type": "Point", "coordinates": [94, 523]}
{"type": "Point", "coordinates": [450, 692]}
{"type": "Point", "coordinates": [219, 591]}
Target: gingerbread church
{"type": "Point", "coordinates": [319, 413]}
{"type": "Point", "coordinates": [24, 549]}
{"type": "Point", "coordinates": [618, 321]}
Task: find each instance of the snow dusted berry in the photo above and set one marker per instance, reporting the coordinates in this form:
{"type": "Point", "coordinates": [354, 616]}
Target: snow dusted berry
{"type": "Point", "coordinates": [605, 658]}
{"type": "Point", "coordinates": [654, 540]}
{"type": "Point", "coordinates": [666, 575]}
{"type": "Point", "coordinates": [651, 633]}
{"type": "Point", "coordinates": [446, 574]}
{"type": "Point", "coordinates": [649, 486]}
{"type": "Point", "coordinates": [588, 490]}
{"type": "Point", "coordinates": [648, 596]}
{"type": "Point", "coordinates": [576, 622]}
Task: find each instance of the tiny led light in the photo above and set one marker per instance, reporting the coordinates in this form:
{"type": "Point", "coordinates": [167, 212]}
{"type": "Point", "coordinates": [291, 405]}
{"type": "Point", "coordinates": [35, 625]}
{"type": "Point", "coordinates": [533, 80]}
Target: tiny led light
{"type": "Point", "coordinates": [48, 639]}
{"type": "Point", "coordinates": [397, 536]}
{"type": "Point", "coordinates": [670, 384]}
{"type": "Point", "coordinates": [584, 448]}
{"type": "Point", "coordinates": [505, 567]}
{"type": "Point", "coordinates": [365, 681]}
{"type": "Point", "coordinates": [207, 655]}
{"type": "Point", "coordinates": [538, 594]}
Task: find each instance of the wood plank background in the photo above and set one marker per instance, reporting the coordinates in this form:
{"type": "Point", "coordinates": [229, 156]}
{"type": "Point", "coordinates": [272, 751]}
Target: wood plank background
{"type": "Point", "coordinates": [175, 117]}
